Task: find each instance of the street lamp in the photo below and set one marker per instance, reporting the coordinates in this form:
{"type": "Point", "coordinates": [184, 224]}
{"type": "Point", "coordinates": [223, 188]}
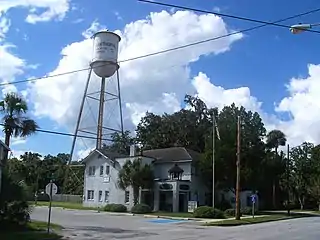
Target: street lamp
{"type": "Point", "coordinates": [298, 28]}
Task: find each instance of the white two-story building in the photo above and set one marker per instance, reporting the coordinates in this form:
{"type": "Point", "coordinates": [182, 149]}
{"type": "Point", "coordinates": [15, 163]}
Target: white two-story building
{"type": "Point", "coordinates": [176, 179]}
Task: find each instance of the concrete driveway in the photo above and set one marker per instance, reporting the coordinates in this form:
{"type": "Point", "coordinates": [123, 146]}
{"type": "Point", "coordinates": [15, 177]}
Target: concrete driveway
{"type": "Point", "coordinates": [85, 225]}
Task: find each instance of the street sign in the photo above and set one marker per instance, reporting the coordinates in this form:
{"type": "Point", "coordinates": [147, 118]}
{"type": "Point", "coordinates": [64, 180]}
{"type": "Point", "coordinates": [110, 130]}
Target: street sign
{"type": "Point", "coordinates": [54, 189]}
{"type": "Point", "coordinates": [253, 198]}
{"type": "Point", "coordinates": [192, 205]}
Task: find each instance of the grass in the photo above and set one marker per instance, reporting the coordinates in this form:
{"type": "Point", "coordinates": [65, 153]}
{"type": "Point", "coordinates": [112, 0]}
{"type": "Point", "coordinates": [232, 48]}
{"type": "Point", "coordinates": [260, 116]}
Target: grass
{"type": "Point", "coordinates": [34, 231]}
{"type": "Point", "coordinates": [257, 219]}
{"type": "Point", "coordinates": [67, 205]}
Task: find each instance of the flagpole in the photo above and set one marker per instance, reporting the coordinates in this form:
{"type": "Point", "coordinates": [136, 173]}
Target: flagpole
{"type": "Point", "coordinates": [213, 153]}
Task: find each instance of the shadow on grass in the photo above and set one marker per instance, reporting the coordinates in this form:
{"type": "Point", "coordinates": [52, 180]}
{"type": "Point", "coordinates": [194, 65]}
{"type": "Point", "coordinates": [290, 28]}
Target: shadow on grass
{"type": "Point", "coordinates": [33, 231]}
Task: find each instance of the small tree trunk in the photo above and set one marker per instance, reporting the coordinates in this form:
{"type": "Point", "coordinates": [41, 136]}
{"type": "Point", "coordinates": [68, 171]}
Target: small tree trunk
{"type": "Point", "coordinates": [274, 194]}
{"type": "Point", "coordinates": [301, 201]}
{"type": "Point", "coordinates": [135, 195]}
{"type": "Point", "coordinates": [319, 206]}
{"type": "Point", "coordinates": [8, 133]}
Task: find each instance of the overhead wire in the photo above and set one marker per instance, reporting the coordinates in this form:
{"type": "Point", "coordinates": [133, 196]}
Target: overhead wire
{"type": "Point", "coordinates": [264, 23]}
{"type": "Point", "coordinates": [64, 133]}
{"type": "Point", "coordinates": [231, 16]}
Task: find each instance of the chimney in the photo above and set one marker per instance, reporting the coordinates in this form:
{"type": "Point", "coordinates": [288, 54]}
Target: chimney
{"type": "Point", "coordinates": [132, 150]}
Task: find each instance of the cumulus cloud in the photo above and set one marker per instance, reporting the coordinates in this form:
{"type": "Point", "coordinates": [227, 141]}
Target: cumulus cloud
{"type": "Point", "coordinates": [39, 10]}
{"type": "Point", "coordinates": [303, 105]}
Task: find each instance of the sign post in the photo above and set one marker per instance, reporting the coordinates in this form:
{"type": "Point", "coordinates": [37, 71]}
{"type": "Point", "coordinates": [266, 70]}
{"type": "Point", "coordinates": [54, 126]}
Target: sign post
{"type": "Point", "coordinates": [51, 189]}
{"type": "Point", "coordinates": [253, 200]}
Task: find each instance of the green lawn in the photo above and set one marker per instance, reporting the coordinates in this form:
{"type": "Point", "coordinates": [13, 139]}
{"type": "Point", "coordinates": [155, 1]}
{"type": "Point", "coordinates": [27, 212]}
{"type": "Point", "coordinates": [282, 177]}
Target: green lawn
{"type": "Point", "coordinates": [65, 205]}
{"type": "Point", "coordinates": [34, 231]}
{"type": "Point", "coordinates": [257, 219]}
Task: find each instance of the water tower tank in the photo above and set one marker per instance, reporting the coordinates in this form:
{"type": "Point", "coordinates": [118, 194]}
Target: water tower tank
{"type": "Point", "coordinates": [105, 53]}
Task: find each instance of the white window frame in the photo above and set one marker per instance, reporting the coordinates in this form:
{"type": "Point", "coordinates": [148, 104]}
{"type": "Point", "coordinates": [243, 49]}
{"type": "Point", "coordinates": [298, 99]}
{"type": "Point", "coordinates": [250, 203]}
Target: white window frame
{"type": "Point", "coordinates": [127, 197]}
{"type": "Point", "coordinates": [107, 169]}
{"type": "Point", "coordinates": [90, 195]}
{"type": "Point", "coordinates": [100, 196]}
{"type": "Point", "coordinates": [101, 170]}
{"type": "Point", "coordinates": [106, 196]}
{"type": "Point", "coordinates": [92, 171]}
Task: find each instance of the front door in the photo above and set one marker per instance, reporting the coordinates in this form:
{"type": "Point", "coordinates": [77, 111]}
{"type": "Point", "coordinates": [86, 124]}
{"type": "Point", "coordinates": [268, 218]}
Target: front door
{"type": "Point", "coordinates": [183, 202]}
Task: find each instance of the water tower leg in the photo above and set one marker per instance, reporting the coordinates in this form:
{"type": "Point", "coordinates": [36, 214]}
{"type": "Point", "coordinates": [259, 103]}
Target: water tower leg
{"type": "Point", "coordinates": [76, 132]}
{"type": "Point", "coordinates": [120, 103]}
{"type": "Point", "coordinates": [79, 116]}
{"type": "Point", "coordinates": [100, 116]}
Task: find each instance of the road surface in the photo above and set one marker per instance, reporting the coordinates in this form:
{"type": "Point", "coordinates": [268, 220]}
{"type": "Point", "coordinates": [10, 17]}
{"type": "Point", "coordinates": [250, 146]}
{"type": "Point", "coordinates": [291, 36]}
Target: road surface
{"type": "Point", "coordinates": [89, 225]}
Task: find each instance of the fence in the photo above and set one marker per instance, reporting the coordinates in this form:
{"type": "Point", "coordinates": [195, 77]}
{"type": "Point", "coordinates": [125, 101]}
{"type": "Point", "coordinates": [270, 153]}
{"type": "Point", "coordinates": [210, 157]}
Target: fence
{"type": "Point", "coordinates": [67, 198]}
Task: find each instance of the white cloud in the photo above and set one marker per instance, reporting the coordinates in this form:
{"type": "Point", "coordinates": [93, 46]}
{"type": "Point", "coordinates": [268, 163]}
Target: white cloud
{"type": "Point", "coordinates": [39, 10]}
{"type": "Point", "coordinates": [216, 96]}
{"type": "Point", "coordinates": [303, 105]}
{"type": "Point", "coordinates": [156, 83]}
{"type": "Point", "coordinates": [94, 27]}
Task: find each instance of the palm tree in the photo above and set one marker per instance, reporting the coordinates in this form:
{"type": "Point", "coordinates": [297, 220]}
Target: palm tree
{"type": "Point", "coordinates": [275, 139]}
{"type": "Point", "coordinates": [137, 175]}
{"type": "Point", "coordinates": [14, 121]}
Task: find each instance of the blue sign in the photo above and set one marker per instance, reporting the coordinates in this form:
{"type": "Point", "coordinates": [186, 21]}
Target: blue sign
{"type": "Point", "coordinates": [253, 198]}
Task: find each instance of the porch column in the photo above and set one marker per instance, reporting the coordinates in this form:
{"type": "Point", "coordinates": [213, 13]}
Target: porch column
{"type": "Point", "coordinates": [140, 194]}
{"type": "Point", "coordinates": [156, 200]}
{"type": "Point", "coordinates": [175, 198]}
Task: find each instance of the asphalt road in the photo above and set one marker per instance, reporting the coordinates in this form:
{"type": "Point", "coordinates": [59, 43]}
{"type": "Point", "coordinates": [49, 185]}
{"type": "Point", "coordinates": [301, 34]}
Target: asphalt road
{"type": "Point", "coordinates": [85, 225]}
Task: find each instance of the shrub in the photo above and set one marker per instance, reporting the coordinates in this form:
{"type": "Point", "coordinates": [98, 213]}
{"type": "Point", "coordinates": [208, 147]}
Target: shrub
{"type": "Point", "coordinates": [231, 212]}
{"type": "Point", "coordinates": [208, 212]}
{"type": "Point", "coordinates": [141, 208]}
{"type": "Point", "coordinates": [248, 211]}
{"type": "Point", "coordinates": [14, 215]}
{"type": "Point", "coordinates": [114, 207]}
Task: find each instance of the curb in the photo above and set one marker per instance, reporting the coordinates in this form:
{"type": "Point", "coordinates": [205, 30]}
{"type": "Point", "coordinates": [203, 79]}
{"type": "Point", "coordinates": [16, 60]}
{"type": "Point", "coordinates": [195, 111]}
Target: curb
{"type": "Point", "coordinates": [173, 218]}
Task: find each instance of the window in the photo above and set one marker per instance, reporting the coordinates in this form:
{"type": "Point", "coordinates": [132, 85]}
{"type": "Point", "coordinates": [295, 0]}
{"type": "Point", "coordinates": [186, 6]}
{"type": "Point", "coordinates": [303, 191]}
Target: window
{"type": "Point", "coordinates": [107, 170]}
{"type": "Point", "coordinates": [92, 170]}
{"type": "Point", "coordinates": [90, 195]}
{"type": "Point", "coordinates": [106, 196]}
{"type": "Point", "coordinates": [127, 197]}
{"type": "Point", "coordinates": [101, 170]}
{"type": "Point", "coordinates": [100, 196]}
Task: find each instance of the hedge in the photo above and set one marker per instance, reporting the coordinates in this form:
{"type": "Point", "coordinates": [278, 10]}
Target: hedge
{"type": "Point", "coordinates": [141, 208]}
{"type": "Point", "coordinates": [208, 212]}
{"type": "Point", "coordinates": [114, 207]}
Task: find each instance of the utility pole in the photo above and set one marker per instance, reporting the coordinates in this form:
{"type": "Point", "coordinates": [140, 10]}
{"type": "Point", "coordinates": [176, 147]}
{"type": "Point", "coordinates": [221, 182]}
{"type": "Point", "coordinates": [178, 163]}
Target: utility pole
{"type": "Point", "coordinates": [238, 170]}
{"type": "Point", "coordinates": [288, 179]}
{"type": "Point", "coordinates": [213, 153]}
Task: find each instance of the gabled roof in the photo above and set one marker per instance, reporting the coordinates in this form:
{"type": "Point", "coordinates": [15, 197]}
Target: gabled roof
{"type": "Point", "coordinates": [172, 154]}
{"type": "Point", "coordinates": [106, 154]}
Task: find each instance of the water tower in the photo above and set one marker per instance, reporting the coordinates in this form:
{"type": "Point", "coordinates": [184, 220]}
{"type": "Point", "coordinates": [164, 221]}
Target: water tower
{"type": "Point", "coordinates": [105, 66]}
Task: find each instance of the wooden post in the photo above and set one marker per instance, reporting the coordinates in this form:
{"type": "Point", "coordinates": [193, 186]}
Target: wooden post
{"type": "Point", "coordinates": [238, 170]}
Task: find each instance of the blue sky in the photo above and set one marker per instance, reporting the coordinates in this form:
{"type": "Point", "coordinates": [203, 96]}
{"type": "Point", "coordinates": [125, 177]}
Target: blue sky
{"type": "Point", "coordinates": [264, 60]}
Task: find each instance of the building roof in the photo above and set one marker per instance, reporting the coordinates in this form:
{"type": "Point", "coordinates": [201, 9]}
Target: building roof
{"type": "Point", "coordinates": [172, 154]}
{"type": "Point", "coordinates": [107, 154]}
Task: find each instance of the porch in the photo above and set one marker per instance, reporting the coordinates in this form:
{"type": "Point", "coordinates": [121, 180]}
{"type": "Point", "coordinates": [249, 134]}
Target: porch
{"type": "Point", "coordinates": [168, 196]}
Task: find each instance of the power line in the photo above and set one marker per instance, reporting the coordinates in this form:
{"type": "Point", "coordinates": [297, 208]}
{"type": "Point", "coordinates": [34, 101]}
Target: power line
{"type": "Point", "coordinates": [64, 134]}
{"type": "Point", "coordinates": [231, 16]}
{"type": "Point", "coordinates": [182, 46]}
